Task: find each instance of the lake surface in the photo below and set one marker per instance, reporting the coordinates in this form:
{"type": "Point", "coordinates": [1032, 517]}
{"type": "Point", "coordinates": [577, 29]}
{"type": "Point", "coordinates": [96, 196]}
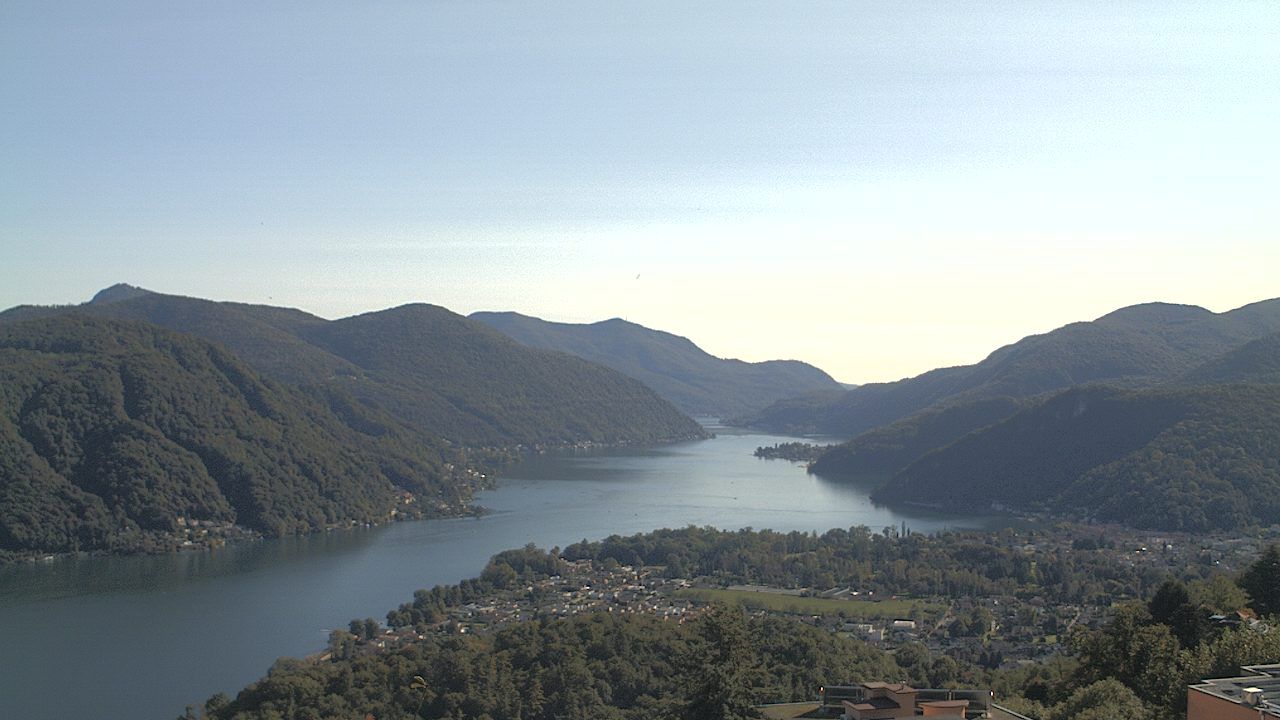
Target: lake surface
{"type": "Point", "coordinates": [142, 637]}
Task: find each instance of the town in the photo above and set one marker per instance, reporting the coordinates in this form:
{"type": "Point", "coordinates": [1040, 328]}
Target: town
{"type": "Point", "coordinates": [997, 631]}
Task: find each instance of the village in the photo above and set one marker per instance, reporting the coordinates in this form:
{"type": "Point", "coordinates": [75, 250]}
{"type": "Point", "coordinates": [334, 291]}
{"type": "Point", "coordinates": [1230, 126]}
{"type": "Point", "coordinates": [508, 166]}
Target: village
{"type": "Point", "coordinates": [996, 631]}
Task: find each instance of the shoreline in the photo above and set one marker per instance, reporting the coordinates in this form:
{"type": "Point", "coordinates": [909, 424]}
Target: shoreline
{"type": "Point", "coordinates": [207, 535]}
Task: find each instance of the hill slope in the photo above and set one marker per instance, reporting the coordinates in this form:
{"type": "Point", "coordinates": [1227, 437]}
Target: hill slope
{"type": "Point", "coordinates": [1194, 458]}
{"type": "Point", "coordinates": [1138, 346]}
{"type": "Point", "coordinates": [264, 336]}
{"type": "Point", "coordinates": [112, 430]}
{"type": "Point", "coordinates": [890, 448]}
{"type": "Point", "coordinates": [1254, 362]}
{"type": "Point", "coordinates": [678, 370]}
{"type": "Point", "coordinates": [444, 372]}
{"type": "Point", "coordinates": [436, 370]}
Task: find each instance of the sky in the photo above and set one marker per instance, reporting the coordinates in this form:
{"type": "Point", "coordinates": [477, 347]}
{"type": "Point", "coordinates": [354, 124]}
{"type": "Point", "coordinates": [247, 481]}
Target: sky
{"type": "Point", "coordinates": [875, 188]}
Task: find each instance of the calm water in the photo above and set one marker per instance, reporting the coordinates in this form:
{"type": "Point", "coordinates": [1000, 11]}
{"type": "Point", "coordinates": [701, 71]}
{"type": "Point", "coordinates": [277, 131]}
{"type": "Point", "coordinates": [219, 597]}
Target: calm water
{"type": "Point", "coordinates": [142, 637]}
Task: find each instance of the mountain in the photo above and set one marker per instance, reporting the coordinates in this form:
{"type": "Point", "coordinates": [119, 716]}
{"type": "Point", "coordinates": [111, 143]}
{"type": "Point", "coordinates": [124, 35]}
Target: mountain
{"type": "Point", "coordinates": [264, 336]}
{"type": "Point", "coordinates": [112, 432]}
{"type": "Point", "coordinates": [118, 292]}
{"type": "Point", "coordinates": [1138, 346]}
{"type": "Point", "coordinates": [1254, 362]}
{"type": "Point", "coordinates": [447, 373]}
{"type": "Point", "coordinates": [440, 372]}
{"type": "Point", "coordinates": [690, 378]}
{"type": "Point", "coordinates": [1179, 458]}
{"type": "Point", "coordinates": [890, 448]}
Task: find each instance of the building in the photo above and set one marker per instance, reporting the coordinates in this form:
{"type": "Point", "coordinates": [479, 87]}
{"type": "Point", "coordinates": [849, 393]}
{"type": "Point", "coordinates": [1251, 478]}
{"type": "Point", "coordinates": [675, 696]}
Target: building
{"type": "Point", "coordinates": [1255, 696]}
{"type": "Point", "coordinates": [885, 701]}
{"type": "Point", "coordinates": [889, 701]}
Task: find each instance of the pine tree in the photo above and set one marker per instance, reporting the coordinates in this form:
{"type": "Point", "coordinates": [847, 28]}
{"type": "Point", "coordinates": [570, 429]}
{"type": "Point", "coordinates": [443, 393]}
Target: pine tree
{"type": "Point", "coordinates": [720, 668]}
{"type": "Point", "coordinates": [1262, 582]}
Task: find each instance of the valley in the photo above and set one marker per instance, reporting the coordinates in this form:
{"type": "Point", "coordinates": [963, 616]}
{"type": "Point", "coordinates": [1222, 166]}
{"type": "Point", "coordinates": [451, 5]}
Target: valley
{"type": "Point", "coordinates": [196, 476]}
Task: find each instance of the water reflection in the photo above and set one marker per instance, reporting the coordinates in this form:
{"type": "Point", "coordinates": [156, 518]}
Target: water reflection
{"type": "Point", "coordinates": [93, 574]}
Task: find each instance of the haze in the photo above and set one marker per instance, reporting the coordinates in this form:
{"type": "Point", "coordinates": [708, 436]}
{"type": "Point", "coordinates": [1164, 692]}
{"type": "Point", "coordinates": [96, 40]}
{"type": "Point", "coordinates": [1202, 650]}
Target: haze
{"type": "Point", "coordinates": [878, 189]}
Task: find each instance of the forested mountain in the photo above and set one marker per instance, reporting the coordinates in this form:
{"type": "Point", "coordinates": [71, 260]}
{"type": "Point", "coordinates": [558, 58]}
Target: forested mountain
{"type": "Point", "coordinates": [1254, 362]}
{"type": "Point", "coordinates": [461, 378]}
{"type": "Point", "coordinates": [1190, 458]}
{"type": "Point", "coordinates": [265, 337]}
{"type": "Point", "coordinates": [1138, 346]}
{"type": "Point", "coordinates": [1193, 452]}
{"type": "Point", "coordinates": [112, 432]}
{"type": "Point", "coordinates": [890, 448]}
{"type": "Point", "coordinates": [442, 373]}
{"type": "Point", "coordinates": [678, 370]}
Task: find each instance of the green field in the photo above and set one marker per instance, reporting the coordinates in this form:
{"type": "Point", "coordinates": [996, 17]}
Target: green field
{"type": "Point", "coordinates": [868, 609]}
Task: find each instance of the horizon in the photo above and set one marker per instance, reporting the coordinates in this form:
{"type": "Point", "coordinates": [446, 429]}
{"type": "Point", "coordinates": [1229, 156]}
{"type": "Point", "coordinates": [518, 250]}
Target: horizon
{"type": "Point", "coordinates": [694, 340]}
{"type": "Point", "coordinates": [877, 191]}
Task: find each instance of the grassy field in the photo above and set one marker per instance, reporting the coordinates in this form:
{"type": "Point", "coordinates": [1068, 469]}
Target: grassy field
{"type": "Point", "coordinates": [869, 609]}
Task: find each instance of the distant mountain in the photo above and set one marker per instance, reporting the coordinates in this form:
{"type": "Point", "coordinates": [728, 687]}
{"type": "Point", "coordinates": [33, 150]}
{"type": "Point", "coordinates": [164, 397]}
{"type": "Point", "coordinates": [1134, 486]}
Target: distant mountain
{"type": "Point", "coordinates": [1138, 346]}
{"type": "Point", "coordinates": [112, 431]}
{"type": "Point", "coordinates": [450, 374]}
{"type": "Point", "coordinates": [118, 292]}
{"type": "Point", "coordinates": [442, 373]}
{"type": "Point", "coordinates": [1190, 458]}
{"type": "Point", "coordinates": [678, 370]}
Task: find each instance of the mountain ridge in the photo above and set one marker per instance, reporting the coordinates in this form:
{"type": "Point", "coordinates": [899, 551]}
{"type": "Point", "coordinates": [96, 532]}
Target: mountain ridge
{"type": "Point", "coordinates": [1136, 346]}
{"type": "Point", "coordinates": [566, 401]}
{"type": "Point", "coordinates": [114, 433]}
{"type": "Point", "coordinates": [1174, 458]}
{"type": "Point", "coordinates": [674, 366]}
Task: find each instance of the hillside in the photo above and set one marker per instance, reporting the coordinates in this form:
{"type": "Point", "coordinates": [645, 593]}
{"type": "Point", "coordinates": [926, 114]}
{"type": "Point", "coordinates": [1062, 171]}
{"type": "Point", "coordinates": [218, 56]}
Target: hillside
{"type": "Point", "coordinates": [264, 336]}
{"type": "Point", "coordinates": [684, 374]}
{"type": "Point", "coordinates": [890, 448]}
{"type": "Point", "coordinates": [113, 433]}
{"type": "Point", "coordinates": [446, 373]}
{"type": "Point", "coordinates": [442, 373]}
{"type": "Point", "coordinates": [1197, 458]}
{"type": "Point", "coordinates": [1138, 346]}
{"type": "Point", "coordinates": [1254, 362]}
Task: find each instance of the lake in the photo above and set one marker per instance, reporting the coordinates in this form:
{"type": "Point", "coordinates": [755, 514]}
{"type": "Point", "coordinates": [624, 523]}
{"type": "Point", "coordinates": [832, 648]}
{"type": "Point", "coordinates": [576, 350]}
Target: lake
{"type": "Point", "coordinates": [142, 637]}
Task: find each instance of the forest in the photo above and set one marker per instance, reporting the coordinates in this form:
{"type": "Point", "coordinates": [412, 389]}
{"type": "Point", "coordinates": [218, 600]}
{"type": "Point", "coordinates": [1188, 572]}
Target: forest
{"type": "Point", "coordinates": [1181, 458]}
{"type": "Point", "coordinates": [114, 435]}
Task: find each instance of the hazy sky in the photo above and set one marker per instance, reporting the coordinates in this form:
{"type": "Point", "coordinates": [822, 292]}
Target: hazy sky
{"type": "Point", "coordinates": [877, 188]}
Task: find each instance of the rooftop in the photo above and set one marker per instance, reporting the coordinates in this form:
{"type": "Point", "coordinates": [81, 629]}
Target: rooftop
{"type": "Point", "coordinates": [1263, 685]}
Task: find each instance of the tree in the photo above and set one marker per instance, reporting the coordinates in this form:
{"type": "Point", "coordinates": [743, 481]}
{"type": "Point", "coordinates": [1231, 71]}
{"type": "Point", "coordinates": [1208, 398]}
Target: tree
{"type": "Point", "coordinates": [1168, 600]}
{"type": "Point", "coordinates": [342, 644]}
{"type": "Point", "coordinates": [1103, 700]}
{"type": "Point", "coordinates": [366, 629]}
{"type": "Point", "coordinates": [501, 575]}
{"type": "Point", "coordinates": [1172, 606]}
{"type": "Point", "coordinates": [1262, 582]}
{"type": "Point", "coordinates": [1234, 649]}
{"type": "Point", "coordinates": [719, 668]}
{"type": "Point", "coordinates": [1106, 652]}
{"type": "Point", "coordinates": [1218, 593]}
